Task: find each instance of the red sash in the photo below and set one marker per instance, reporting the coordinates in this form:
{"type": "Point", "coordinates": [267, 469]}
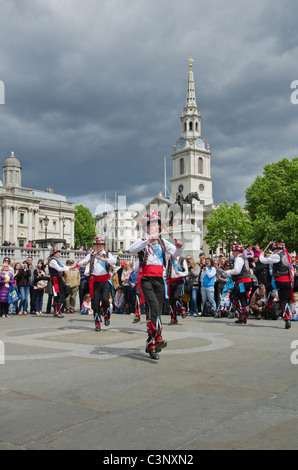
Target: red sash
{"type": "Point", "coordinates": [174, 279]}
{"type": "Point", "coordinates": [246, 279]}
{"type": "Point", "coordinates": [286, 278]}
{"type": "Point", "coordinates": [55, 283]}
{"type": "Point", "coordinates": [93, 278]}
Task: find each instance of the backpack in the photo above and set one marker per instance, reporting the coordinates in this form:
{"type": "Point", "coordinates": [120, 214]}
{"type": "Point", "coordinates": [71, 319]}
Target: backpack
{"type": "Point", "coordinates": [207, 311]}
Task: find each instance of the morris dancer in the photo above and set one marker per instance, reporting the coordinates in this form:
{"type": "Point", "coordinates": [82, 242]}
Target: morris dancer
{"type": "Point", "coordinates": [177, 271]}
{"type": "Point", "coordinates": [152, 255]}
{"type": "Point", "coordinates": [60, 289]}
{"type": "Point", "coordinates": [240, 275]}
{"type": "Point", "coordinates": [97, 267]}
{"type": "Point", "coordinates": [282, 278]}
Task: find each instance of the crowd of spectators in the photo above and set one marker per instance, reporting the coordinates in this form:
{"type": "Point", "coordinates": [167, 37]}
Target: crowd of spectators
{"type": "Point", "coordinates": [206, 290]}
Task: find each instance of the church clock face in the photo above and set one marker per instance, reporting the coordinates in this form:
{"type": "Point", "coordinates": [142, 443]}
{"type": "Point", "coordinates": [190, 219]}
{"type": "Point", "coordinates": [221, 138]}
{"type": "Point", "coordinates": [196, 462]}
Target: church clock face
{"type": "Point", "coordinates": [200, 143]}
{"type": "Point", "coordinates": [201, 187]}
{"type": "Point", "coordinates": [181, 143]}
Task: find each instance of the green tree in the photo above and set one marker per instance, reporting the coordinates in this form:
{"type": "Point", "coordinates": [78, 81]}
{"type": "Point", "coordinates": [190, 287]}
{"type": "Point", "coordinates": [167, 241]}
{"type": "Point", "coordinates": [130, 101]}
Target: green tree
{"type": "Point", "coordinates": [272, 203]}
{"type": "Point", "coordinates": [227, 224]}
{"type": "Point", "coordinates": [84, 226]}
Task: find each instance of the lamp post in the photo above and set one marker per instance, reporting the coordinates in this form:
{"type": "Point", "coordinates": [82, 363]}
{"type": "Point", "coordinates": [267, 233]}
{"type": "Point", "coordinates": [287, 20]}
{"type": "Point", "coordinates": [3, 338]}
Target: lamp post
{"type": "Point", "coordinates": [46, 223]}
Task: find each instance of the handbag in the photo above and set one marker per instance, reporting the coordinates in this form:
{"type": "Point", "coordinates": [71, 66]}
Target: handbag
{"type": "Point", "coordinates": [42, 284]}
{"type": "Point", "coordinates": [13, 295]}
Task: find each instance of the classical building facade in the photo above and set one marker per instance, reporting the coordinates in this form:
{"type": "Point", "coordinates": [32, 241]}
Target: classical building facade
{"type": "Point", "coordinates": [29, 214]}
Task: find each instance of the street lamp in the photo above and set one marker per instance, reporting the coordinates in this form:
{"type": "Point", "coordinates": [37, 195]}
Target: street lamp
{"type": "Point", "coordinates": [46, 223]}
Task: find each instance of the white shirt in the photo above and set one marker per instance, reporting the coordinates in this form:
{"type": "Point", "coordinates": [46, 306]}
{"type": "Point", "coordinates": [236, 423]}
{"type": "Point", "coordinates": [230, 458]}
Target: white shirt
{"type": "Point", "coordinates": [273, 259]}
{"type": "Point", "coordinates": [238, 265]}
{"type": "Point", "coordinates": [152, 259]}
{"type": "Point", "coordinates": [178, 274]}
{"type": "Point", "coordinates": [55, 265]}
{"type": "Point", "coordinates": [98, 269]}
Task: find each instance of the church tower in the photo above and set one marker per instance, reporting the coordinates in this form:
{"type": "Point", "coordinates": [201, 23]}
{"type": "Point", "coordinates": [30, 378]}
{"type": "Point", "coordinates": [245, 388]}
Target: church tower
{"type": "Point", "coordinates": [191, 156]}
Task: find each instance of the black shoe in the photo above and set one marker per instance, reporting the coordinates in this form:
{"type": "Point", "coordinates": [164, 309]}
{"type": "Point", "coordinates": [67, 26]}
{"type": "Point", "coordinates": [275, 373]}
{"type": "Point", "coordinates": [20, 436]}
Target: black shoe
{"type": "Point", "coordinates": [57, 315]}
{"type": "Point", "coordinates": [152, 354]}
{"type": "Point", "coordinates": [136, 319]}
{"type": "Point", "coordinates": [172, 322]}
{"type": "Point", "coordinates": [287, 324]}
{"type": "Point", "coordinates": [160, 345]}
{"type": "Point", "coordinates": [241, 321]}
{"type": "Point", "coordinates": [97, 327]}
{"type": "Point", "coordinates": [107, 322]}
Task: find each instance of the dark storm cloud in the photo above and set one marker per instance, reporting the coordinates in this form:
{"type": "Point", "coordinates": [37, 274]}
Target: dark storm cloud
{"type": "Point", "coordinates": [95, 90]}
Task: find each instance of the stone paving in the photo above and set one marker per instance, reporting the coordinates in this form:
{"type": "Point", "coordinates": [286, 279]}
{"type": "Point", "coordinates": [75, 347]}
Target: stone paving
{"type": "Point", "coordinates": [217, 385]}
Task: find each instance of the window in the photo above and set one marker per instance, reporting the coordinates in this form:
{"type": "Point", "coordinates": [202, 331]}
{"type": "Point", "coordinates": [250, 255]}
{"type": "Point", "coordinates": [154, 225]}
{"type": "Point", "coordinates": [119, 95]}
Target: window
{"type": "Point", "coordinates": [181, 166]}
{"type": "Point", "coordinates": [190, 126]}
{"type": "Point", "coordinates": [22, 216]}
{"type": "Point", "coordinates": [201, 165]}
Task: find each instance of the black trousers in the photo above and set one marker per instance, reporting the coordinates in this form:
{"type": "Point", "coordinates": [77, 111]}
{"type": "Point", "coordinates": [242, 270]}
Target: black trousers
{"type": "Point", "coordinates": [176, 290]}
{"type": "Point", "coordinates": [63, 292]}
{"type": "Point", "coordinates": [240, 299]}
{"type": "Point", "coordinates": [284, 295]}
{"type": "Point", "coordinates": [101, 292]}
{"type": "Point", "coordinates": [153, 289]}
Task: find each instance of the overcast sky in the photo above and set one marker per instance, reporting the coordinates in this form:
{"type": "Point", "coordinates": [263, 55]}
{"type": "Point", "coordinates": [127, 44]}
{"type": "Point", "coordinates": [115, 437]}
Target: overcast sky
{"type": "Point", "coordinates": [94, 91]}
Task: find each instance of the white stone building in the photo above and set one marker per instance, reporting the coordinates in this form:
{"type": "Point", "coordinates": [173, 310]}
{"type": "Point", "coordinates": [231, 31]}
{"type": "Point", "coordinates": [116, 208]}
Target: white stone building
{"type": "Point", "coordinates": [25, 212]}
{"type": "Point", "coordinates": [118, 227]}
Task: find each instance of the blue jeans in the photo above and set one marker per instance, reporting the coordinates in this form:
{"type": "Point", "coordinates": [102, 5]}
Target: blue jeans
{"type": "Point", "coordinates": [193, 301]}
{"type": "Point", "coordinates": [38, 298]}
{"type": "Point", "coordinates": [208, 293]}
{"type": "Point", "coordinates": [24, 292]}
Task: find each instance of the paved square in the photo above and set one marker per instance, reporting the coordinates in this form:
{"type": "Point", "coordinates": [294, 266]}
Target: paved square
{"type": "Point", "coordinates": [217, 385]}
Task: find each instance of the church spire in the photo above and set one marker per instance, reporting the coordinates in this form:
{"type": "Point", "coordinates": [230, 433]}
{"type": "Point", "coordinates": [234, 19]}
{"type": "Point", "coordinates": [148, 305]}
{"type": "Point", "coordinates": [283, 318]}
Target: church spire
{"type": "Point", "coordinates": [191, 92]}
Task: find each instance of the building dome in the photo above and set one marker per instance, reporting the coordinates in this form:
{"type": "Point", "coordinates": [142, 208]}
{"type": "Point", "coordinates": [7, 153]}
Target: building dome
{"type": "Point", "coordinates": [12, 161]}
{"type": "Point", "coordinates": [12, 171]}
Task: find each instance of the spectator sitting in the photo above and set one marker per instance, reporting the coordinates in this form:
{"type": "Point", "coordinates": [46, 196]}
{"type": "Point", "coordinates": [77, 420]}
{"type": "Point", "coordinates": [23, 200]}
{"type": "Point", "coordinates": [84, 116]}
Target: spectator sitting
{"type": "Point", "coordinates": [294, 308]}
{"type": "Point", "coordinates": [258, 301]}
{"type": "Point", "coordinates": [86, 308]}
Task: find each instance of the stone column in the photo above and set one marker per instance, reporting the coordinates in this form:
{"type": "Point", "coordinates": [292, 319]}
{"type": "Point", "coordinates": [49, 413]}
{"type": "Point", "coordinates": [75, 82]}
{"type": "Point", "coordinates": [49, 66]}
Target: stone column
{"type": "Point", "coordinates": [36, 223]}
{"type": "Point", "coordinates": [6, 222]}
{"type": "Point", "coordinates": [29, 224]}
{"type": "Point", "coordinates": [15, 225]}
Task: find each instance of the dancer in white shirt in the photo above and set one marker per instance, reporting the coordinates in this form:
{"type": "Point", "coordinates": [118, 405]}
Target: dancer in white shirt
{"type": "Point", "coordinates": [152, 250]}
{"type": "Point", "coordinates": [97, 269]}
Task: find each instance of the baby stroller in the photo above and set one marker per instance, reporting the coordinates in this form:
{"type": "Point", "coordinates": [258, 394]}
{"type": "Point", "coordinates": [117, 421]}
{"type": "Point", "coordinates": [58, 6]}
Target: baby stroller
{"type": "Point", "coordinates": [226, 308]}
